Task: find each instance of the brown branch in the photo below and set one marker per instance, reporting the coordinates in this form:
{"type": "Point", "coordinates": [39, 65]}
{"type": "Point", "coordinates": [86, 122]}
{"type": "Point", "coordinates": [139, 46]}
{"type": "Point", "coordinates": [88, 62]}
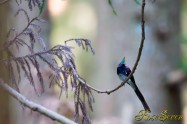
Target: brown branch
{"type": "Point", "coordinates": [26, 56]}
{"type": "Point", "coordinates": [35, 107]}
{"type": "Point", "coordinates": [3, 2]}
{"type": "Point", "coordinates": [137, 60]}
{"type": "Point", "coordinates": [7, 45]}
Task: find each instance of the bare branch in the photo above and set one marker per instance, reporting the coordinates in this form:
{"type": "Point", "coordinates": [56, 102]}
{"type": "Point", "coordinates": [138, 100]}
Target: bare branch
{"type": "Point", "coordinates": [35, 107]}
{"type": "Point", "coordinates": [3, 2]}
{"type": "Point", "coordinates": [61, 72]}
{"type": "Point", "coordinates": [85, 43]}
{"type": "Point", "coordinates": [137, 60]}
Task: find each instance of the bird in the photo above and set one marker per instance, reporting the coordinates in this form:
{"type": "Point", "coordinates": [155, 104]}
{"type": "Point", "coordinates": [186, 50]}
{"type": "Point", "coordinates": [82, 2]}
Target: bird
{"type": "Point", "coordinates": [123, 72]}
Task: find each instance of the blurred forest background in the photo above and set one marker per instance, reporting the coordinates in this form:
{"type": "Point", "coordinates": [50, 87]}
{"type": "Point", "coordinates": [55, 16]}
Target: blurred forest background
{"type": "Point", "coordinates": [160, 75]}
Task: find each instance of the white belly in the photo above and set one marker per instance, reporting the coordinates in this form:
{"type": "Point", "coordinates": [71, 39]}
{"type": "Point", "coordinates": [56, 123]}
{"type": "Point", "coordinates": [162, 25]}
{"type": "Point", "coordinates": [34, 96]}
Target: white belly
{"type": "Point", "coordinates": [123, 78]}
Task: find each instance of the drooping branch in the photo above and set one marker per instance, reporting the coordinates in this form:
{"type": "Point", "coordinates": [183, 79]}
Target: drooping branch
{"type": "Point", "coordinates": [35, 107]}
{"type": "Point", "coordinates": [27, 31]}
{"type": "Point", "coordinates": [61, 73]}
{"type": "Point", "coordinates": [137, 60]}
{"type": "Point", "coordinates": [99, 91]}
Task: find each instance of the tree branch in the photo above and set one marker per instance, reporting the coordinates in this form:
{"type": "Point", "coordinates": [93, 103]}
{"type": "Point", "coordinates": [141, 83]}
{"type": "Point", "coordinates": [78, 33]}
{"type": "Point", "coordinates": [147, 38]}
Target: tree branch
{"type": "Point", "coordinates": [3, 2]}
{"type": "Point", "coordinates": [137, 60]}
{"type": "Point", "coordinates": [35, 107]}
{"type": "Point", "coordinates": [53, 115]}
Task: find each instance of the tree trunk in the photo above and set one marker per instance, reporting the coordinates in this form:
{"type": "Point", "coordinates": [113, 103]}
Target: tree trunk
{"type": "Point", "coordinates": [26, 115]}
{"type": "Point", "coordinates": [120, 36]}
{"type": "Point", "coordinates": [4, 98]}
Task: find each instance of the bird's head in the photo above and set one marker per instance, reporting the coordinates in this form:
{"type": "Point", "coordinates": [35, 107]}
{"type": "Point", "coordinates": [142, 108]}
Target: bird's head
{"type": "Point", "coordinates": [122, 62]}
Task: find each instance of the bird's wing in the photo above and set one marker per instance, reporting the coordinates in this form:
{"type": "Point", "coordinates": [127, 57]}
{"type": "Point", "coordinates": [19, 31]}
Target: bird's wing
{"type": "Point", "coordinates": [128, 70]}
{"type": "Point", "coordinates": [118, 71]}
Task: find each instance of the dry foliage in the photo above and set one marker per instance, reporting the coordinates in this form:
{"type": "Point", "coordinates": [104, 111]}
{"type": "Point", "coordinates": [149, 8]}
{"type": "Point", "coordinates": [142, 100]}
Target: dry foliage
{"type": "Point", "coordinates": [60, 59]}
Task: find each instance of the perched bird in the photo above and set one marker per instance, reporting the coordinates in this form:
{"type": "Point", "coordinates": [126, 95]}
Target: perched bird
{"type": "Point", "coordinates": [123, 71]}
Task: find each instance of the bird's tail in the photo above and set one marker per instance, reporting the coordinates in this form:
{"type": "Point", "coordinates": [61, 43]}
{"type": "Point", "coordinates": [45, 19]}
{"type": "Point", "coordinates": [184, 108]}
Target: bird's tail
{"type": "Point", "coordinates": [140, 96]}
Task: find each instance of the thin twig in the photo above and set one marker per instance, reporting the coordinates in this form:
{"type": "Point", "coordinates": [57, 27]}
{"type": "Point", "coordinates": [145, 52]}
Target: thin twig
{"type": "Point", "coordinates": [3, 2]}
{"type": "Point", "coordinates": [137, 60]}
{"type": "Point", "coordinates": [26, 56]}
{"type": "Point", "coordinates": [135, 65]}
{"type": "Point", "coordinates": [7, 44]}
{"type": "Point", "coordinates": [35, 107]}
{"type": "Point", "coordinates": [12, 41]}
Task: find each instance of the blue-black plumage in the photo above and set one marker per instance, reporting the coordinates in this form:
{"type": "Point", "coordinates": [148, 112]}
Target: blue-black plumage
{"type": "Point", "coordinates": [123, 72]}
